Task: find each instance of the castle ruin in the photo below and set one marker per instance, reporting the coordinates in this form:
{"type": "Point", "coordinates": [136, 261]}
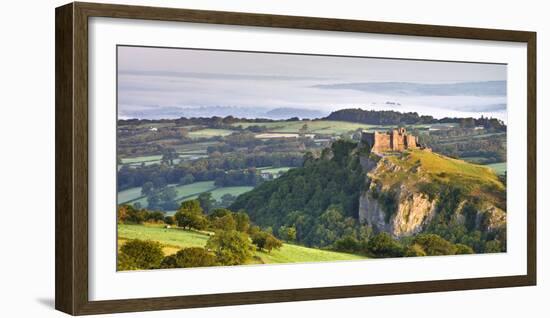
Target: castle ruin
{"type": "Point", "coordinates": [394, 140]}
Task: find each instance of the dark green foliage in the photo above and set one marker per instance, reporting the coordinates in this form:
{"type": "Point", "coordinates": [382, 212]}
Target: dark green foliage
{"type": "Point", "coordinates": [226, 223]}
{"type": "Point", "coordinates": [287, 233]}
{"type": "Point", "coordinates": [125, 263]}
{"type": "Point", "coordinates": [383, 245]}
{"type": "Point", "coordinates": [169, 262]}
{"type": "Point", "coordinates": [415, 250]}
{"type": "Point", "coordinates": [463, 249]}
{"type": "Point", "coordinates": [348, 244]}
{"type": "Point", "coordinates": [299, 197]}
{"type": "Point", "coordinates": [266, 241]}
{"type": "Point", "coordinates": [169, 220]}
{"type": "Point", "coordinates": [230, 247]}
{"type": "Point", "coordinates": [242, 221]}
{"type": "Point", "coordinates": [388, 201]}
{"type": "Point", "coordinates": [141, 254]}
{"type": "Point", "coordinates": [190, 215]}
{"type": "Point", "coordinates": [189, 257]}
{"type": "Point", "coordinates": [431, 189]}
{"type": "Point", "coordinates": [129, 214]}
{"type": "Point", "coordinates": [433, 244]}
{"type": "Point", "coordinates": [493, 246]}
{"type": "Point", "coordinates": [206, 201]}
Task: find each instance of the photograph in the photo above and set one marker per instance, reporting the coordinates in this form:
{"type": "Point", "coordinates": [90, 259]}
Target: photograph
{"type": "Point", "coordinates": [231, 158]}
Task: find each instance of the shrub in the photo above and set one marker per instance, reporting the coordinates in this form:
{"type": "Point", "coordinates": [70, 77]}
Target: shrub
{"type": "Point", "coordinates": [434, 244]}
{"type": "Point", "coordinates": [230, 247]}
{"type": "Point", "coordinates": [383, 245]}
{"type": "Point", "coordinates": [141, 254]}
{"type": "Point", "coordinates": [415, 250]}
{"type": "Point", "coordinates": [347, 244]}
{"type": "Point", "coordinates": [169, 262]}
{"type": "Point", "coordinates": [194, 257]}
{"type": "Point", "coordinates": [493, 246]}
{"type": "Point", "coordinates": [125, 263]}
{"type": "Point", "coordinates": [463, 249]}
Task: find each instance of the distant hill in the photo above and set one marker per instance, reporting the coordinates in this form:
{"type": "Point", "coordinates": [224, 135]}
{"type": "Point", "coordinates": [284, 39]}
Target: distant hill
{"type": "Point", "coordinates": [487, 88]}
{"type": "Point", "coordinates": [171, 112]}
{"type": "Point", "coordinates": [286, 112]}
{"type": "Point", "coordinates": [390, 117]}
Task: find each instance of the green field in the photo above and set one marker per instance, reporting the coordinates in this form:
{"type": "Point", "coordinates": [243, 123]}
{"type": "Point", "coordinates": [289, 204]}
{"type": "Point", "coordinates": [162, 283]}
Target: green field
{"type": "Point", "coordinates": [184, 192]}
{"type": "Point", "coordinates": [196, 188]}
{"type": "Point", "coordinates": [209, 133]}
{"type": "Point", "coordinates": [499, 168]}
{"type": "Point", "coordinates": [235, 191]}
{"type": "Point", "coordinates": [141, 159]}
{"type": "Point", "coordinates": [274, 170]}
{"type": "Point", "coordinates": [128, 195]}
{"type": "Point", "coordinates": [327, 127]}
{"type": "Point", "coordinates": [173, 239]}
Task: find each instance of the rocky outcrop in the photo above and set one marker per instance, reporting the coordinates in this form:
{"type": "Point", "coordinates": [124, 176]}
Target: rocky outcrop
{"type": "Point", "coordinates": [397, 205]}
{"type": "Point", "coordinates": [412, 212]}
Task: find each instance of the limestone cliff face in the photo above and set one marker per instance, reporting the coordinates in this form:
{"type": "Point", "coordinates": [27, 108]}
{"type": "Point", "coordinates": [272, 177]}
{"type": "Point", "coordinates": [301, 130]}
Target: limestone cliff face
{"type": "Point", "coordinates": [394, 203]}
{"type": "Point", "coordinates": [412, 212]}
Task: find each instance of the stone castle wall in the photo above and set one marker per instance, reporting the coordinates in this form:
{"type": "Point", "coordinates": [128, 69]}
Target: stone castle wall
{"type": "Point", "coordinates": [395, 140]}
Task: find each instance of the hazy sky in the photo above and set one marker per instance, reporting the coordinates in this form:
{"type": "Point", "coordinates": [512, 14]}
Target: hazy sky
{"type": "Point", "coordinates": [159, 82]}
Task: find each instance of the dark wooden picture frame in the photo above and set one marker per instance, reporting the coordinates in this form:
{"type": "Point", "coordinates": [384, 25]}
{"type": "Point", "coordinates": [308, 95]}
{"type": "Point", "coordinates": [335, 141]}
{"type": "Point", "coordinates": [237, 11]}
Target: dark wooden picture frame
{"type": "Point", "coordinates": [71, 90]}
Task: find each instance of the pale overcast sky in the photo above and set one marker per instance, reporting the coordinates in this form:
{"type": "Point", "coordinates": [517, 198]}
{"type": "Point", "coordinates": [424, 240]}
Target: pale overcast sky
{"type": "Point", "coordinates": [160, 82]}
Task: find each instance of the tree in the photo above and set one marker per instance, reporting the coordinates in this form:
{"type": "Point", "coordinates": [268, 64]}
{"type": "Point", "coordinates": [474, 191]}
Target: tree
{"type": "Point", "coordinates": [227, 199]}
{"type": "Point", "coordinates": [242, 221]}
{"type": "Point", "coordinates": [383, 245]}
{"type": "Point", "coordinates": [287, 233]}
{"type": "Point", "coordinates": [156, 216]}
{"type": "Point", "coordinates": [169, 220]}
{"type": "Point", "coordinates": [142, 254]}
{"type": "Point", "coordinates": [190, 215]}
{"type": "Point", "coordinates": [147, 188]}
{"type": "Point", "coordinates": [266, 241]}
{"type": "Point", "coordinates": [206, 201]}
{"type": "Point", "coordinates": [187, 179]}
{"type": "Point", "coordinates": [230, 247]}
{"type": "Point", "coordinates": [128, 214]}
{"type": "Point", "coordinates": [190, 257]}
{"type": "Point", "coordinates": [168, 155]}
{"type": "Point", "coordinates": [434, 244]}
{"type": "Point", "coordinates": [226, 223]}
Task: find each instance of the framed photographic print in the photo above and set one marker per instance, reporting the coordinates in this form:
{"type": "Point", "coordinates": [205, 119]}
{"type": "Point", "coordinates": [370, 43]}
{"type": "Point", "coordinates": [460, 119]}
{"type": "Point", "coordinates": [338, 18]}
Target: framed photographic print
{"type": "Point", "coordinates": [211, 158]}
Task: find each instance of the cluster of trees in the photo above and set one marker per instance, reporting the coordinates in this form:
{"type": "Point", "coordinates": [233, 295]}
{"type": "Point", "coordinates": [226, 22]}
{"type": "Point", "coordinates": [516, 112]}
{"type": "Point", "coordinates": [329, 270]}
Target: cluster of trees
{"type": "Point", "coordinates": [233, 242]}
{"type": "Point", "coordinates": [130, 215]}
{"type": "Point", "coordinates": [390, 117]}
{"type": "Point", "coordinates": [329, 185]}
{"type": "Point", "coordinates": [380, 117]}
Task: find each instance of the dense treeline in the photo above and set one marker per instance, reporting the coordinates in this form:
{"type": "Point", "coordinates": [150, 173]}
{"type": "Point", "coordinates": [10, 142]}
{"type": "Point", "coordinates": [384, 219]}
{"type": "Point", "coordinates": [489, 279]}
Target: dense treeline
{"type": "Point", "coordinates": [390, 117]}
